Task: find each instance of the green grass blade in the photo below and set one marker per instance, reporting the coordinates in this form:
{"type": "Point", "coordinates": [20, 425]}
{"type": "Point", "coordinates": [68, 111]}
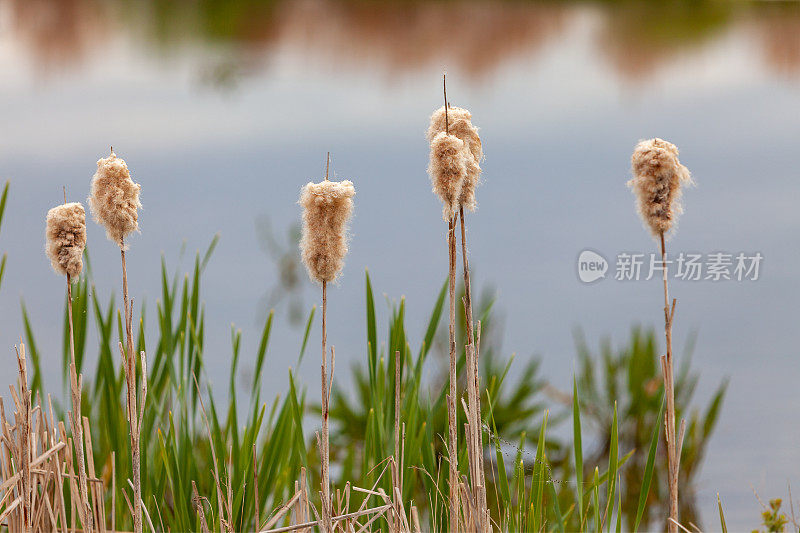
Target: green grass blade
{"type": "Point", "coordinates": [36, 382]}
{"type": "Point", "coordinates": [649, 466]}
{"type": "Point", "coordinates": [612, 468]}
{"type": "Point", "coordinates": [262, 351]}
{"type": "Point", "coordinates": [433, 323]}
{"type": "Point", "coordinates": [554, 497]}
{"type": "Point", "coordinates": [372, 336]}
{"type": "Point", "coordinates": [722, 524]}
{"type": "Point", "coordinates": [3, 200]}
{"type": "Point", "coordinates": [596, 500]}
{"type": "Point", "coordinates": [306, 334]}
{"type": "Point", "coordinates": [209, 251]}
{"type": "Point", "coordinates": [576, 429]}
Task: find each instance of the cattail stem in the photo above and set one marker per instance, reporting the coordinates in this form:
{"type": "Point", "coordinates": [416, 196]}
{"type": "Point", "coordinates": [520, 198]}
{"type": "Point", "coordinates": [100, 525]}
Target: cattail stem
{"type": "Point", "coordinates": [326, 483]}
{"type": "Point", "coordinates": [77, 427]}
{"type": "Point", "coordinates": [326, 500]}
{"type": "Point", "coordinates": [133, 419]}
{"type": "Point", "coordinates": [452, 411]}
{"type": "Point", "coordinates": [673, 447]}
{"type": "Point", "coordinates": [451, 399]}
{"type": "Point", "coordinates": [474, 396]}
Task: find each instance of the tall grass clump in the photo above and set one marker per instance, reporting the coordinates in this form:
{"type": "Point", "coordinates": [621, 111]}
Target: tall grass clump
{"type": "Point", "coordinates": [658, 176]}
{"type": "Point", "coordinates": [114, 201]}
{"type": "Point", "coordinates": [327, 208]}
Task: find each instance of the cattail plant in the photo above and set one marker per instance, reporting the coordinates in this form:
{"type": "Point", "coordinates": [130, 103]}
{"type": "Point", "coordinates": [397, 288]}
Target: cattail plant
{"type": "Point", "coordinates": [65, 242]}
{"type": "Point", "coordinates": [454, 168]}
{"type": "Point", "coordinates": [114, 201]}
{"type": "Point", "coordinates": [327, 207]}
{"type": "Point", "coordinates": [658, 176]}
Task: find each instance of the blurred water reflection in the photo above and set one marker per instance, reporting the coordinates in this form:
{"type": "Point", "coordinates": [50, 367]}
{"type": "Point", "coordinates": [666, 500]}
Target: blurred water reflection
{"type": "Point", "coordinates": [477, 37]}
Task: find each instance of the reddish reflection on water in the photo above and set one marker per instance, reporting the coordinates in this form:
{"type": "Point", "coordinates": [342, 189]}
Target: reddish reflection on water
{"type": "Point", "coordinates": [476, 37]}
{"type": "Point", "coordinates": [780, 43]}
{"type": "Point", "coordinates": [57, 35]}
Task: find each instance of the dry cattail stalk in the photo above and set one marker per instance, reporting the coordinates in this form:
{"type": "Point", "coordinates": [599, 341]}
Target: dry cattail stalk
{"type": "Point", "coordinates": [458, 121]}
{"type": "Point", "coordinates": [447, 169]}
{"type": "Point", "coordinates": [66, 238]}
{"type": "Point", "coordinates": [327, 207]}
{"type": "Point", "coordinates": [114, 199]}
{"type": "Point", "coordinates": [462, 127]}
{"type": "Point", "coordinates": [657, 179]}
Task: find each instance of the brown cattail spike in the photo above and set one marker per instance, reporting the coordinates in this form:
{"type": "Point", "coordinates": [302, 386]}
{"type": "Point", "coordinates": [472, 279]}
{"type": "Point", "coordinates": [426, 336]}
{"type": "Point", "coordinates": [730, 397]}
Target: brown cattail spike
{"type": "Point", "coordinates": [327, 207]}
{"type": "Point", "coordinates": [114, 198]}
{"type": "Point", "coordinates": [458, 122]}
{"type": "Point", "coordinates": [66, 238]}
{"type": "Point", "coordinates": [448, 169]}
{"type": "Point", "coordinates": [657, 179]}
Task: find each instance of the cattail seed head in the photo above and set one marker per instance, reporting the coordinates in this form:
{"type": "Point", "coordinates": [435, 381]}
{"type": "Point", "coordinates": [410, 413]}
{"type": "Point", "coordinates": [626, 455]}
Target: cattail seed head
{"type": "Point", "coordinates": [448, 169]}
{"type": "Point", "coordinates": [65, 237]}
{"type": "Point", "coordinates": [657, 179]}
{"type": "Point", "coordinates": [327, 207]}
{"type": "Point", "coordinates": [114, 199]}
{"type": "Point", "coordinates": [458, 122]}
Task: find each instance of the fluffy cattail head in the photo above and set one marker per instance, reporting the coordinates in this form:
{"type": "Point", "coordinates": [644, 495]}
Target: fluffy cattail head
{"type": "Point", "coordinates": [327, 207]}
{"type": "Point", "coordinates": [448, 169]}
{"type": "Point", "coordinates": [114, 198]}
{"type": "Point", "coordinates": [657, 179]}
{"type": "Point", "coordinates": [458, 122]}
{"type": "Point", "coordinates": [66, 238]}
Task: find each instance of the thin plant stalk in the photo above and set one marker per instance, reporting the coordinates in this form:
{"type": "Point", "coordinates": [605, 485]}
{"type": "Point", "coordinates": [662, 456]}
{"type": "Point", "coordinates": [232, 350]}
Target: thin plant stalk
{"type": "Point", "coordinates": [451, 398]}
{"type": "Point", "coordinates": [326, 499]}
{"type": "Point", "coordinates": [452, 412]}
{"type": "Point", "coordinates": [134, 426]}
{"type": "Point", "coordinates": [673, 447]}
{"type": "Point", "coordinates": [473, 387]}
{"type": "Point", "coordinates": [77, 427]}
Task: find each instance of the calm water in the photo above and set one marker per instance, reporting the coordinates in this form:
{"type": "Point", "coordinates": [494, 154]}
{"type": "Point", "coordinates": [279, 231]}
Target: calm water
{"type": "Point", "coordinates": [223, 113]}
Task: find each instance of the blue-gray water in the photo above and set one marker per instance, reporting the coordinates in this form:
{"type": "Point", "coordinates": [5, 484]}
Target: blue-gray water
{"type": "Point", "coordinates": [222, 135]}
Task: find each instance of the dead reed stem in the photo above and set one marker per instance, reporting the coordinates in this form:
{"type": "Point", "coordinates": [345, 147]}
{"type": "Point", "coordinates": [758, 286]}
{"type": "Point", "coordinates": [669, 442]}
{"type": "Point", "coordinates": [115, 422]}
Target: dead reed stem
{"type": "Point", "coordinates": [673, 447]}
{"type": "Point", "coordinates": [85, 510]}
{"type": "Point", "coordinates": [326, 499]}
{"type": "Point", "coordinates": [452, 411]}
{"type": "Point", "coordinates": [197, 501]}
{"type": "Point", "coordinates": [451, 398]}
{"type": "Point", "coordinates": [473, 390]}
{"type": "Point", "coordinates": [134, 422]}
